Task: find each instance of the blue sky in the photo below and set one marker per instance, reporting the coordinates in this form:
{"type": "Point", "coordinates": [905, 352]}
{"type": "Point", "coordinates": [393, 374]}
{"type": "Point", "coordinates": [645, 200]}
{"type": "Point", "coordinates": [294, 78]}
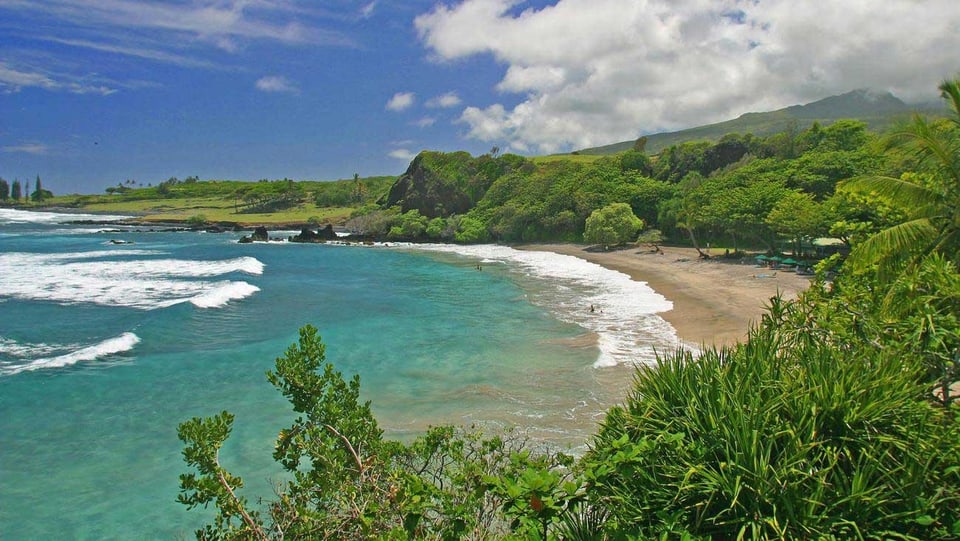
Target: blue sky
{"type": "Point", "coordinates": [94, 92]}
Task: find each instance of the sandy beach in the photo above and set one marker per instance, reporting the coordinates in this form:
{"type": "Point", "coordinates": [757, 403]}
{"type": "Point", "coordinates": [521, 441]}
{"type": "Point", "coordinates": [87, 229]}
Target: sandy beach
{"type": "Point", "coordinates": [714, 301]}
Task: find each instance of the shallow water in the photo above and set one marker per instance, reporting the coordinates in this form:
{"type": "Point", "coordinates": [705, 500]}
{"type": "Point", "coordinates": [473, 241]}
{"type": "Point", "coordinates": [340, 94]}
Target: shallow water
{"type": "Point", "coordinates": [105, 348]}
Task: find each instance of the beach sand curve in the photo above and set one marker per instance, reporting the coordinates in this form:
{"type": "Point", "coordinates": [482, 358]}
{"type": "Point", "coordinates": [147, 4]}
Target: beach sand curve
{"type": "Point", "coordinates": [714, 301]}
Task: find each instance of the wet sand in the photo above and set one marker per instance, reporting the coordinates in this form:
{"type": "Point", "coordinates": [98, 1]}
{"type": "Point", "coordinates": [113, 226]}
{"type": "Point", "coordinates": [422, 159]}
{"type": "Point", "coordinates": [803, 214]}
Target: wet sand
{"type": "Point", "coordinates": [714, 301]}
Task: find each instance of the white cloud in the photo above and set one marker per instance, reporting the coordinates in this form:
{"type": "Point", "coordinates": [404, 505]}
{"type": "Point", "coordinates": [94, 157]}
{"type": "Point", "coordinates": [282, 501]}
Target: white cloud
{"type": "Point", "coordinates": [36, 149]}
{"type": "Point", "coordinates": [14, 79]}
{"type": "Point", "coordinates": [426, 122]}
{"type": "Point", "coordinates": [224, 23]}
{"type": "Point", "coordinates": [590, 72]}
{"type": "Point", "coordinates": [367, 11]}
{"type": "Point", "coordinates": [276, 83]}
{"type": "Point", "coordinates": [444, 101]}
{"type": "Point", "coordinates": [184, 33]}
{"type": "Point", "coordinates": [401, 101]}
{"type": "Point", "coordinates": [402, 154]}
{"type": "Point", "coordinates": [140, 52]}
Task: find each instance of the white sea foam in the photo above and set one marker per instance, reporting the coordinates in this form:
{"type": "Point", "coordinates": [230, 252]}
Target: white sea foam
{"type": "Point", "coordinates": [12, 348]}
{"type": "Point", "coordinates": [138, 282]}
{"type": "Point", "coordinates": [625, 311]}
{"type": "Point", "coordinates": [111, 346]}
{"type": "Point", "coordinates": [14, 216]}
{"type": "Point", "coordinates": [80, 256]}
{"type": "Point", "coordinates": [224, 293]}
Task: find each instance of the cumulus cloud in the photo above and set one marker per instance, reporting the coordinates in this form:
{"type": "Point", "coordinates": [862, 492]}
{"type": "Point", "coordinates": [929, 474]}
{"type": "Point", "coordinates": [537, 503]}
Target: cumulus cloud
{"type": "Point", "coordinates": [367, 11]}
{"type": "Point", "coordinates": [401, 101]}
{"type": "Point", "coordinates": [426, 122]}
{"type": "Point", "coordinates": [276, 83]}
{"type": "Point", "coordinates": [402, 154]}
{"type": "Point", "coordinates": [589, 72]}
{"type": "Point", "coordinates": [444, 101]}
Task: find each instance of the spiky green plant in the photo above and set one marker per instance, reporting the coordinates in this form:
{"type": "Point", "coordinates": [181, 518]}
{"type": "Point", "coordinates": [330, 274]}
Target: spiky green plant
{"type": "Point", "coordinates": [764, 441]}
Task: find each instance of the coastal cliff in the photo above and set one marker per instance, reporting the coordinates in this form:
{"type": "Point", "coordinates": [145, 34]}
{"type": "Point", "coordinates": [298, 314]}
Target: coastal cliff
{"type": "Point", "coordinates": [424, 188]}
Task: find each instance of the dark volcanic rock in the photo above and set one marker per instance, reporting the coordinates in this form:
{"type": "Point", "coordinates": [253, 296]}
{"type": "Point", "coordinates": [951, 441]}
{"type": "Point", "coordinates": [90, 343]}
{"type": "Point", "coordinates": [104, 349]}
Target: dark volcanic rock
{"type": "Point", "coordinates": [260, 234]}
{"type": "Point", "coordinates": [423, 189]}
{"type": "Point", "coordinates": [308, 235]}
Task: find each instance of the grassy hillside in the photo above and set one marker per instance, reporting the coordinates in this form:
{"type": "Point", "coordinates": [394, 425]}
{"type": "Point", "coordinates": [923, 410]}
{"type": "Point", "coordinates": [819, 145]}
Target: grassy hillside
{"type": "Point", "coordinates": [879, 111]}
{"type": "Point", "coordinates": [244, 203]}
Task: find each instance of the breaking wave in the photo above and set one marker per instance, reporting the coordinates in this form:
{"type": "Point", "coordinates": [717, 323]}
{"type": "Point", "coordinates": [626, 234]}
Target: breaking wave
{"type": "Point", "coordinates": [624, 315]}
{"type": "Point", "coordinates": [14, 216]}
{"type": "Point", "coordinates": [20, 361]}
{"type": "Point", "coordinates": [126, 278]}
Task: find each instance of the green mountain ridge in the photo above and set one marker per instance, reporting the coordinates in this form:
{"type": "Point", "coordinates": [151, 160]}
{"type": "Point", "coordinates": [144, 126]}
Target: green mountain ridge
{"type": "Point", "coordinates": [879, 110]}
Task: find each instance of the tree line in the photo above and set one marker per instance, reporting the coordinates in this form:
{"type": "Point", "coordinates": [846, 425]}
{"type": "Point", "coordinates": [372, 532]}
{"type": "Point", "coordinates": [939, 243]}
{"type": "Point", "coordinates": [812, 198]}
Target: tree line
{"type": "Point", "coordinates": [261, 196]}
{"type": "Point", "coordinates": [15, 192]}
{"type": "Point", "coordinates": [740, 191]}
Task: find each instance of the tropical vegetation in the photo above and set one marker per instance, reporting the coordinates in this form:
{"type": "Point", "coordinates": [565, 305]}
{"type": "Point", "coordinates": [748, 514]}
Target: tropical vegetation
{"type": "Point", "coordinates": [930, 195]}
{"type": "Point", "coordinates": [835, 419]}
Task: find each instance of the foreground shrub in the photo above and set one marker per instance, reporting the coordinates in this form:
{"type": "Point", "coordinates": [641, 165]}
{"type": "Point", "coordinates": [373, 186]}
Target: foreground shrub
{"type": "Point", "coordinates": [347, 482]}
{"type": "Point", "coordinates": [761, 441]}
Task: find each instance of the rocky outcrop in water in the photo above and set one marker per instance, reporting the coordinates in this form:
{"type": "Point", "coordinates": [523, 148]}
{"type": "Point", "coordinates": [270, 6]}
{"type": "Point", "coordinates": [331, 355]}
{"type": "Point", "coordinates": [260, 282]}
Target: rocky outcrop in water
{"type": "Point", "coordinates": [260, 234]}
{"type": "Point", "coordinates": [308, 235]}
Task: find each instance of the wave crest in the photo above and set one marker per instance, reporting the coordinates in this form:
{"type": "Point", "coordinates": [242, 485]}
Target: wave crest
{"type": "Point", "coordinates": [111, 346]}
{"type": "Point", "coordinates": [223, 294]}
{"type": "Point", "coordinates": [104, 277]}
{"type": "Point", "coordinates": [625, 318]}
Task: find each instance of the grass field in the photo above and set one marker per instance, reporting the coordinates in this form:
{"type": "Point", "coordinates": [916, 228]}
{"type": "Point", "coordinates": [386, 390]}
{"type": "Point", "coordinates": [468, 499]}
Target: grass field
{"type": "Point", "coordinates": [576, 158]}
{"type": "Point", "coordinates": [212, 209]}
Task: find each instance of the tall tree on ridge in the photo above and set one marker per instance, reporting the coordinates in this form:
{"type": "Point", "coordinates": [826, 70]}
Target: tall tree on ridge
{"type": "Point", "coordinates": [37, 191]}
{"type": "Point", "coordinates": [931, 199]}
{"type": "Point", "coordinates": [4, 190]}
{"type": "Point", "coordinates": [16, 191]}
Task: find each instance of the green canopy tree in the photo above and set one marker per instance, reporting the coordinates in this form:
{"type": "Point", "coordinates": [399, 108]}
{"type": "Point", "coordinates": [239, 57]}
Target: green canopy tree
{"type": "Point", "coordinates": [612, 225]}
{"type": "Point", "coordinates": [4, 190]}
{"type": "Point", "coordinates": [931, 198]}
{"type": "Point", "coordinates": [797, 216]}
{"type": "Point", "coordinates": [853, 217]}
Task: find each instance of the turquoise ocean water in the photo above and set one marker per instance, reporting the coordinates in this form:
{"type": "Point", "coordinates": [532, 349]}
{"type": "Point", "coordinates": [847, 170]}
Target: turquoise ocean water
{"type": "Point", "coordinates": [105, 348]}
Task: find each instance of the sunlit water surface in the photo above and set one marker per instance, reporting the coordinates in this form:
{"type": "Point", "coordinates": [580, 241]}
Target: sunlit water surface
{"type": "Point", "coordinates": [106, 347]}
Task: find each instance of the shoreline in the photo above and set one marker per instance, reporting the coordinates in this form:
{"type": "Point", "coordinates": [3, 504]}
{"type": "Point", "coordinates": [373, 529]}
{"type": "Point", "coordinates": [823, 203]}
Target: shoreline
{"type": "Point", "coordinates": [714, 302]}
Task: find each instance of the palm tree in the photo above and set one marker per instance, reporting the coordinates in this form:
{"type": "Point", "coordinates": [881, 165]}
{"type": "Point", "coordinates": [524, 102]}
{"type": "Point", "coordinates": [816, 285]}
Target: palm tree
{"type": "Point", "coordinates": [932, 201]}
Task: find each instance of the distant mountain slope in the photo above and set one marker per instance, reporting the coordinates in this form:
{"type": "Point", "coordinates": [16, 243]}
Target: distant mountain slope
{"type": "Point", "coordinates": [878, 110]}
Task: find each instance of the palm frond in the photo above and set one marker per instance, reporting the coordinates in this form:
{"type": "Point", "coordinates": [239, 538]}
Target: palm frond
{"type": "Point", "coordinates": [933, 146]}
{"type": "Point", "coordinates": [948, 244]}
{"type": "Point", "coordinates": [950, 91]}
{"type": "Point", "coordinates": [894, 245]}
{"type": "Point", "coordinates": [917, 200]}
